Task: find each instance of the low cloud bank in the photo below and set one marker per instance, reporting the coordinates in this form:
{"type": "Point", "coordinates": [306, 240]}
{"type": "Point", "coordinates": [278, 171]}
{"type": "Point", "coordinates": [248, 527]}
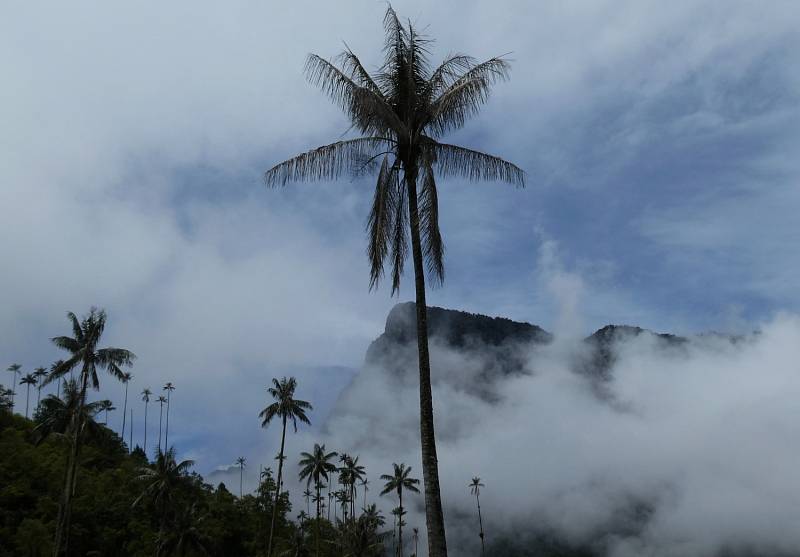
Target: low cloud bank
{"type": "Point", "coordinates": [687, 448]}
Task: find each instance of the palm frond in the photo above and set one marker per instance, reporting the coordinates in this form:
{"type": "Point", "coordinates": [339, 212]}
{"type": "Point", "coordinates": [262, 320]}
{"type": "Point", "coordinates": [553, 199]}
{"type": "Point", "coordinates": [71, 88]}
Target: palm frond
{"type": "Point", "coordinates": [465, 96]}
{"type": "Point", "coordinates": [352, 65]}
{"type": "Point", "coordinates": [400, 226]}
{"type": "Point", "coordinates": [451, 68]}
{"type": "Point", "coordinates": [452, 160]}
{"type": "Point", "coordinates": [379, 223]}
{"type": "Point", "coordinates": [67, 343]}
{"type": "Point", "coordinates": [328, 162]}
{"type": "Point", "coordinates": [366, 107]}
{"type": "Point", "coordinates": [428, 207]}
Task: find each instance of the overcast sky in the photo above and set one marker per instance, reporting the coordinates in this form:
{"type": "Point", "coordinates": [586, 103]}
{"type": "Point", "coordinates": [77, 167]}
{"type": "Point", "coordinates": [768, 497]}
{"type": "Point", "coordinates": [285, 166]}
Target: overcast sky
{"type": "Point", "coordinates": [660, 142]}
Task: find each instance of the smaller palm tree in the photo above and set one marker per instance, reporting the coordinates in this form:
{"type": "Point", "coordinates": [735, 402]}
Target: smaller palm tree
{"type": "Point", "coordinates": [415, 537]}
{"type": "Point", "coordinates": [241, 461]}
{"type": "Point", "coordinates": [169, 387]}
{"type": "Point", "coordinates": [161, 401]}
{"type": "Point", "coordinates": [40, 373]}
{"type": "Point", "coordinates": [398, 481]}
{"type": "Point", "coordinates": [365, 487]}
{"type": "Point", "coordinates": [28, 380]}
{"type": "Point", "coordinates": [56, 414]}
{"type": "Point", "coordinates": [14, 368]}
{"type": "Point", "coordinates": [146, 394]}
{"type": "Point", "coordinates": [106, 406]}
{"type": "Point", "coordinates": [287, 408]}
{"type": "Point", "coordinates": [162, 482]}
{"type": "Point", "coordinates": [475, 488]}
{"type": "Point", "coordinates": [125, 378]}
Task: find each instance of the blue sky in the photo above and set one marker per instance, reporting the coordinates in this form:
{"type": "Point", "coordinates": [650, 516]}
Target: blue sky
{"type": "Point", "coordinates": [660, 145]}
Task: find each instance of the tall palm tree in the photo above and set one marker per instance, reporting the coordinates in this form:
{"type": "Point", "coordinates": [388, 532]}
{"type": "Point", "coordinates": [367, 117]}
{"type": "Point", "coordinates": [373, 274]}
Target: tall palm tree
{"type": "Point", "coordinates": [365, 487]}
{"type": "Point", "coordinates": [475, 488]}
{"type": "Point", "coordinates": [317, 466]}
{"type": "Point", "coordinates": [161, 400]}
{"type": "Point", "coordinates": [398, 481]}
{"type": "Point", "coordinates": [415, 537]}
{"type": "Point", "coordinates": [84, 354]}
{"type": "Point", "coordinates": [40, 373]}
{"type": "Point", "coordinates": [285, 407]}
{"type": "Point", "coordinates": [169, 387]}
{"type": "Point", "coordinates": [308, 494]}
{"type": "Point", "coordinates": [241, 461]}
{"type": "Point", "coordinates": [106, 406]}
{"type": "Point", "coordinates": [146, 394]}
{"type": "Point", "coordinates": [28, 379]}
{"type": "Point", "coordinates": [126, 378]}
{"type": "Point", "coordinates": [355, 473]}
{"type": "Point", "coordinates": [402, 112]}
{"type": "Point", "coordinates": [14, 368]}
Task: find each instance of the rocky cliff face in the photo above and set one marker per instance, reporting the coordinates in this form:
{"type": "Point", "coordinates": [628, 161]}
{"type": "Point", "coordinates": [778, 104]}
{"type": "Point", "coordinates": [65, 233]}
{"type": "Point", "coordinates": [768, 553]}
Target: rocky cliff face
{"type": "Point", "coordinates": [502, 346]}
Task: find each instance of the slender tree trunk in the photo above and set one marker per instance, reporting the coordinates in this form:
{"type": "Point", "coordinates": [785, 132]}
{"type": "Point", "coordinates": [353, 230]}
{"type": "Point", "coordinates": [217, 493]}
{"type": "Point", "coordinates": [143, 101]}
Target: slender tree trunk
{"type": "Point", "coordinates": [145, 428]}
{"type": "Point", "coordinates": [160, 417]}
{"type": "Point", "coordinates": [480, 521]}
{"type": "Point", "coordinates": [13, 392]}
{"type": "Point", "coordinates": [278, 490]}
{"type": "Point", "coordinates": [130, 445]}
{"type": "Point", "coordinates": [317, 528]}
{"type": "Point", "coordinates": [58, 394]}
{"type": "Point", "coordinates": [400, 524]}
{"type": "Point", "coordinates": [434, 517]}
{"type": "Point", "coordinates": [241, 477]}
{"type": "Point", "coordinates": [61, 545]}
{"type": "Point", "coordinates": [125, 414]}
{"type": "Point", "coordinates": [166, 428]}
{"type": "Point", "coordinates": [39, 397]}
{"type": "Point", "coordinates": [27, 400]}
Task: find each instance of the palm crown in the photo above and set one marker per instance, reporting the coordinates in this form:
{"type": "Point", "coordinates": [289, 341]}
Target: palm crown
{"type": "Point", "coordinates": [399, 480]}
{"type": "Point", "coordinates": [285, 406]}
{"type": "Point", "coordinates": [475, 486]}
{"type": "Point", "coordinates": [316, 465]}
{"type": "Point", "coordinates": [402, 111]}
{"type": "Point", "coordinates": [84, 352]}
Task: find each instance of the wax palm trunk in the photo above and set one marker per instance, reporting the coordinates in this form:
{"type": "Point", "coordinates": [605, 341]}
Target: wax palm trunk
{"type": "Point", "coordinates": [401, 113]}
{"type": "Point", "coordinates": [480, 522]}
{"type": "Point", "coordinates": [277, 490]}
{"type": "Point", "coordinates": [125, 415]}
{"type": "Point", "coordinates": [65, 506]}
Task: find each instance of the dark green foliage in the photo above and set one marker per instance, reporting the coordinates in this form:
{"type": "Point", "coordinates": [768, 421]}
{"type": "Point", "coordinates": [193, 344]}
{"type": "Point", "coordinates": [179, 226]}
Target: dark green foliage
{"type": "Point", "coordinates": [104, 519]}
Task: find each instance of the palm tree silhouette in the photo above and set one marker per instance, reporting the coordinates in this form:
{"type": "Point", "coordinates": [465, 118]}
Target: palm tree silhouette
{"type": "Point", "coordinates": [161, 400]}
{"type": "Point", "coordinates": [146, 394]}
{"type": "Point", "coordinates": [126, 377]}
{"type": "Point", "coordinates": [40, 373]}
{"type": "Point", "coordinates": [285, 407]}
{"type": "Point", "coordinates": [28, 379]}
{"type": "Point", "coordinates": [475, 488]}
{"type": "Point", "coordinates": [365, 486]}
{"type": "Point", "coordinates": [169, 387]}
{"type": "Point", "coordinates": [106, 406]}
{"type": "Point", "coordinates": [241, 461]}
{"type": "Point", "coordinates": [308, 494]}
{"type": "Point", "coordinates": [416, 541]}
{"type": "Point", "coordinates": [84, 354]}
{"type": "Point", "coordinates": [402, 112]}
{"type": "Point", "coordinates": [56, 413]}
{"type": "Point", "coordinates": [162, 481]}
{"type": "Point", "coordinates": [398, 481]}
{"type": "Point", "coordinates": [14, 368]}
